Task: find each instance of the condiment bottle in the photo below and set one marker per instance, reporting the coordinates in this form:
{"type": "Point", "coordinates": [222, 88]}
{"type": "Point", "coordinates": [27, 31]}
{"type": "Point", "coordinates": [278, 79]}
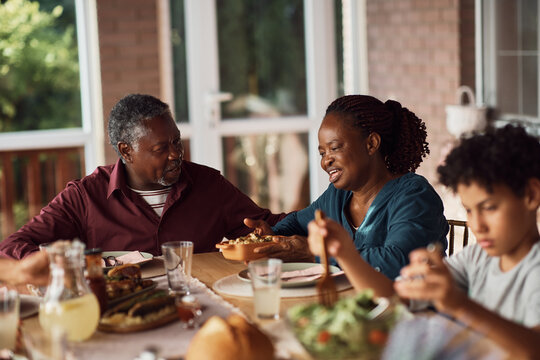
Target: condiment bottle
{"type": "Point", "coordinates": [69, 305]}
{"type": "Point", "coordinates": [95, 278]}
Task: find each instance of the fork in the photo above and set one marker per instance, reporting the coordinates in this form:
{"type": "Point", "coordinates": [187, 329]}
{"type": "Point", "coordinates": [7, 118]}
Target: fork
{"type": "Point", "coordinates": [326, 288]}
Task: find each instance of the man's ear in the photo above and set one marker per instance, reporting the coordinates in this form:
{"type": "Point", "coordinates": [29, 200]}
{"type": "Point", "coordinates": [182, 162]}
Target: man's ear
{"type": "Point", "coordinates": [532, 194]}
{"type": "Point", "coordinates": [125, 151]}
{"type": "Point", "coordinates": [373, 143]}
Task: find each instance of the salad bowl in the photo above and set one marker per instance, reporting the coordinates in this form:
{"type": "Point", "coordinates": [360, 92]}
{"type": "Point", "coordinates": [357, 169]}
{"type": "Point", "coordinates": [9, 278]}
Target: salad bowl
{"type": "Point", "coordinates": [353, 328]}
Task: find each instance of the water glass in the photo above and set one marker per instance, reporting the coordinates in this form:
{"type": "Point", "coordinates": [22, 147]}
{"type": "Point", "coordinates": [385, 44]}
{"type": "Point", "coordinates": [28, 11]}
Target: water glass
{"type": "Point", "coordinates": [266, 284]}
{"type": "Point", "coordinates": [177, 256]}
{"type": "Point", "coordinates": [9, 318]}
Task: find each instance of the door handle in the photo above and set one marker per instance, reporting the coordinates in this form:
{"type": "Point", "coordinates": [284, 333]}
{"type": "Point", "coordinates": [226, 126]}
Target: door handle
{"type": "Point", "coordinates": [212, 103]}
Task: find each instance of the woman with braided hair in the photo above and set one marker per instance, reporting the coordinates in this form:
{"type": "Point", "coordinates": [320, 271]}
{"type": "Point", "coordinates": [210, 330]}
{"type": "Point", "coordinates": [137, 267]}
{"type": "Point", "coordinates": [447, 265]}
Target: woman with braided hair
{"type": "Point", "coordinates": [370, 151]}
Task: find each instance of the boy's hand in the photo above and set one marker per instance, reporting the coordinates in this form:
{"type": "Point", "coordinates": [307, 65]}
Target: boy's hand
{"type": "Point", "coordinates": [428, 278]}
{"type": "Point", "coordinates": [338, 240]}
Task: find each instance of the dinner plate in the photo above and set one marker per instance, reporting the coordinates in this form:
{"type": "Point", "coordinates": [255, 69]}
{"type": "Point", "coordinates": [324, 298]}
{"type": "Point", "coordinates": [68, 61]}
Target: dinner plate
{"type": "Point", "coordinates": [29, 305]}
{"type": "Point", "coordinates": [134, 327]}
{"type": "Point", "coordinates": [244, 274]}
{"type": "Point", "coordinates": [147, 257]}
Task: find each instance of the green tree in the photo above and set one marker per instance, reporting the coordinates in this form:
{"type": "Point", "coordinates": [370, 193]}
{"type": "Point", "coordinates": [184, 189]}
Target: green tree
{"type": "Point", "coordinates": [39, 70]}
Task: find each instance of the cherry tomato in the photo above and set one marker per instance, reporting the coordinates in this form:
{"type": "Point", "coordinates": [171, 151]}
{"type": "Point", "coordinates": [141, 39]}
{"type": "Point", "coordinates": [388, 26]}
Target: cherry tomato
{"type": "Point", "coordinates": [323, 337]}
{"type": "Point", "coordinates": [377, 337]}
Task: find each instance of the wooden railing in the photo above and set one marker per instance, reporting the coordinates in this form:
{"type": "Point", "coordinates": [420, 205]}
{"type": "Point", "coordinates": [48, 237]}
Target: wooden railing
{"type": "Point", "coordinates": [29, 179]}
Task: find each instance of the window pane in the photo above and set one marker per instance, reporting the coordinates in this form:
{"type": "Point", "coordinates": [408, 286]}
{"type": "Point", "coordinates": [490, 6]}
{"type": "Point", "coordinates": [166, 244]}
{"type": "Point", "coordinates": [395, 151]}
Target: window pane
{"type": "Point", "coordinates": [178, 39]}
{"type": "Point", "coordinates": [39, 69]}
{"type": "Point", "coordinates": [530, 85]}
{"type": "Point", "coordinates": [30, 179]}
{"type": "Point", "coordinates": [507, 26]}
{"type": "Point", "coordinates": [511, 60]}
{"type": "Point", "coordinates": [507, 84]}
{"type": "Point", "coordinates": [529, 21]}
{"type": "Point", "coordinates": [271, 169]}
{"type": "Point", "coordinates": [262, 57]}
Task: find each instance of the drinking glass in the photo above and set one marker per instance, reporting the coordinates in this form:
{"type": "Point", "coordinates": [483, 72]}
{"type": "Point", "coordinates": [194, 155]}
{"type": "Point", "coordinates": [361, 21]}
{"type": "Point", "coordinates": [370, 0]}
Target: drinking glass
{"type": "Point", "coordinates": [9, 318]}
{"type": "Point", "coordinates": [266, 283]}
{"type": "Point", "coordinates": [47, 345]}
{"type": "Point", "coordinates": [177, 256]}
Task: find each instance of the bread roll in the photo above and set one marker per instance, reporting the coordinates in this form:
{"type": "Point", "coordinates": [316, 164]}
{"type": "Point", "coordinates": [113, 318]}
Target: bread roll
{"type": "Point", "coordinates": [231, 339]}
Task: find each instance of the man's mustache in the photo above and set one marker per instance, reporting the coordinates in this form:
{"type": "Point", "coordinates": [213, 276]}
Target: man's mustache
{"type": "Point", "coordinates": [174, 165]}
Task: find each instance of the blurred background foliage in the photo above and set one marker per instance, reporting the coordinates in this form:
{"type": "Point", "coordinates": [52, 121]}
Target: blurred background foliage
{"type": "Point", "coordinates": [39, 69]}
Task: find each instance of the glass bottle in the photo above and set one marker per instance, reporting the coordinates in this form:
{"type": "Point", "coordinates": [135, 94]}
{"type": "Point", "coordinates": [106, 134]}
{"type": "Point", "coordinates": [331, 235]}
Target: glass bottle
{"type": "Point", "coordinates": [95, 278]}
{"type": "Point", "coordinates": [69, 304]}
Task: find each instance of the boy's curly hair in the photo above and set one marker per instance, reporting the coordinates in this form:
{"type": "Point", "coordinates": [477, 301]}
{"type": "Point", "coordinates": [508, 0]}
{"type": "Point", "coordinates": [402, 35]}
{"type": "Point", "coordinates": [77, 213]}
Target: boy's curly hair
{"type": "Point", "coordinates": [507, 156]}
{"type": "Point", "coordinates": [403, 134]}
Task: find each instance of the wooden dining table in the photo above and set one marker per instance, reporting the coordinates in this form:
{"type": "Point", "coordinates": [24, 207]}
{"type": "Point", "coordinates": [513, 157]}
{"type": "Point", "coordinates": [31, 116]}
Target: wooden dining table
{"type": "Point", "coordinates": [211, 267]}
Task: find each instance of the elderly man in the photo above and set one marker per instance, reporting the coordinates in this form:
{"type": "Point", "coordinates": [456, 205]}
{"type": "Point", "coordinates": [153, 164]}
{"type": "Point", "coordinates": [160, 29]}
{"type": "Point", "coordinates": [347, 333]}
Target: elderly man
{"type": "Point", "coordinates": [150, 196]}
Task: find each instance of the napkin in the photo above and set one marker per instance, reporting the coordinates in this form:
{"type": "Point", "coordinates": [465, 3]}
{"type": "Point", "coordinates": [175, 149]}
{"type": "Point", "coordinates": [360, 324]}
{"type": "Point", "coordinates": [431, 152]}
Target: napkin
{"type": "Point", "coordinates": [132, 257]}
{"type": "Point", "coordinates": [309, 274]}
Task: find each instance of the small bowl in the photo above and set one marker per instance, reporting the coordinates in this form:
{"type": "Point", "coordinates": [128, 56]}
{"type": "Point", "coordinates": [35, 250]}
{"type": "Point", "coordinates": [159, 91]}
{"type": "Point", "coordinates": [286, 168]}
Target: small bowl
{"type": "Point", "coordinates": [242, 252]}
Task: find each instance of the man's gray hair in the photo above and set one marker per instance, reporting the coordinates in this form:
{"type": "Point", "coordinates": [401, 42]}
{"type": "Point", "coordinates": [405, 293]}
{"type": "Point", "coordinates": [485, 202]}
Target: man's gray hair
{"type": "Point", "coordinates": [128, 115]}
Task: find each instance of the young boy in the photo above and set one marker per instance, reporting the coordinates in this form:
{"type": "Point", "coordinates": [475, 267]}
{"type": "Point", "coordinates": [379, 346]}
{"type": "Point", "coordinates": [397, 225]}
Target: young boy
{"type": "Point", "coordinates": [494, 285]}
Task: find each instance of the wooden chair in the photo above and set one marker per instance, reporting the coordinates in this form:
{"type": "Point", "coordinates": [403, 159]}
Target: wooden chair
{"type": "Point", "coordinates": [451, 234]}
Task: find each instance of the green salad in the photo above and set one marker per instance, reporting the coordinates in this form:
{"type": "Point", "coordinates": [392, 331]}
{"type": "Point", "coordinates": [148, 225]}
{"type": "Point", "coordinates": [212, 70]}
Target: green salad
{"type": "Point", "coordinates": [344, 330]}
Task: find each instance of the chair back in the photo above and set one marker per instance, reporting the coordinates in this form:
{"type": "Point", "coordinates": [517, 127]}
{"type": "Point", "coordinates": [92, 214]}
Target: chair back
{"type": "Point", "coordinates": [451, 234]}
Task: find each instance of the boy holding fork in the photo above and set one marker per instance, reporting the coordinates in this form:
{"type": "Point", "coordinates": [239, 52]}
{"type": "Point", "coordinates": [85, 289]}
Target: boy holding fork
{"type": "Point", "coordinates": [492, 286]}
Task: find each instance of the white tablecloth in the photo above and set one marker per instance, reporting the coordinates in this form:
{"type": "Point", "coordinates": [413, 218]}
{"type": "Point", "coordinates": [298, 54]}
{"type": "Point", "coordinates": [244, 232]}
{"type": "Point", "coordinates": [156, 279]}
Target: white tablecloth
{"type": "Point", "coordinates": [171, 340]}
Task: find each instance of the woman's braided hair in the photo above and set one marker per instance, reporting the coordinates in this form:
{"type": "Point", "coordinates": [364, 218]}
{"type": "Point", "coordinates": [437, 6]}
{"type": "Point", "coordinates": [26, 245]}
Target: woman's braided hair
{"type": "Point", "coordinates": [403, 134]}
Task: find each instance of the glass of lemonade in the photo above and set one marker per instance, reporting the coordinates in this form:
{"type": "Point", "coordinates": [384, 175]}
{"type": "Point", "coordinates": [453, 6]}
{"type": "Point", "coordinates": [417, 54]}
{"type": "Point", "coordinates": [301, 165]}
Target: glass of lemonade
{"type": "Point", "coordinates": [69, 305]}
{"type": "Point", "coordinates": [266, 284]}
{"type": "Point", "coordinates": [9, 318]}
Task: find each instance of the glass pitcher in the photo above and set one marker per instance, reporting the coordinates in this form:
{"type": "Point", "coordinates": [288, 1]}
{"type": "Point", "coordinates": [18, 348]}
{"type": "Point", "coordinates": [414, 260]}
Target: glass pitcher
{"type": "Point", "coordinates": [69, 304]}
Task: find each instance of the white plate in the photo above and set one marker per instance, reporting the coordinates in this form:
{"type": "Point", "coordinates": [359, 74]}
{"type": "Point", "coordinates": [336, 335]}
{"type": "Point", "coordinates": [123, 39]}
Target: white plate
{"type": "Point", "coordinates": [29, 305]}
{"type": "Point", "coordinates": [145, 255]}
{"type": "Point", "coordinates": [244, 274]}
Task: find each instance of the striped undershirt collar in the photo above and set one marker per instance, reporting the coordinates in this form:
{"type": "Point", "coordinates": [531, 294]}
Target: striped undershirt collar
{"type": "Point", "coordinates": [155, 198]}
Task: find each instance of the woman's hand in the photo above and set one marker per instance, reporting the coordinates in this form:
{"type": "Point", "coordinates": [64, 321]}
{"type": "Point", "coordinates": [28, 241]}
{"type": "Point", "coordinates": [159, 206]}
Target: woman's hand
{"type": "Point", "coordinates": [287, 248]}
{"type": "Point", "coordinates": [338, 240]}
{"type": "Point", "coordinates": [428, 278]}
{"type": "Point", "coordinates": [260, 227]}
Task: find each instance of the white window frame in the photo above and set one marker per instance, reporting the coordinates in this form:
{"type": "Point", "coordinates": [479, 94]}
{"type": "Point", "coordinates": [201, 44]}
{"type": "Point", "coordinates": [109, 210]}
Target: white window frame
{"type": "Point", "coordinates": [91, 134]}
{"type": "Point", "coordinates": [485, 64]}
